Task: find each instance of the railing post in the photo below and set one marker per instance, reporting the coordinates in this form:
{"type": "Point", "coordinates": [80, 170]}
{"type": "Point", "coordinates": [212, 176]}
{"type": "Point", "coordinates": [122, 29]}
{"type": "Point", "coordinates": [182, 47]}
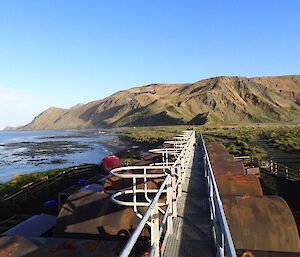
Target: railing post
{"type": "Point", "coordinates": [167, 158]}
{"type": "Point", "coordinates": [174, 194]}
{"type": "Point", "coordinates": [169, 203]}
{"type": "Point", "coordinates": [271, 166]}
{"type": "Point", "coordinates": [205, 166]}
{"type": "Point", "coordinates": [134, 194]}
{"type": "Point", "coordinates": [212, 211]}
{"type": "Point", "coordinates": [180, 176]}
{"type": "Point", "coordinates": [213, 208]}
{"type": "Point", "coordinates": [182, 167]}
{"type": "Point", "coordinates": [221, 245]}
{"type": "Point", "coordinates": [155, 230]}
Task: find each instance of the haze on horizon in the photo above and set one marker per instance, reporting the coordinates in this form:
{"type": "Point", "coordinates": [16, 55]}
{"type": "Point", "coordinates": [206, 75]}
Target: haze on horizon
{"type": "Point", "coordinates": [60, 53]}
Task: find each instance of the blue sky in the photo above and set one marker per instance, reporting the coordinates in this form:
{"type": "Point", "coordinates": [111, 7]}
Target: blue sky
{"type": "Point", "coordinates": [64, 52]}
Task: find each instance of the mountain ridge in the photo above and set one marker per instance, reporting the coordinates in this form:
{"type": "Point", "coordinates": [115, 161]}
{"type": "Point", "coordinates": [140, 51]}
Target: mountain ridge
{"type": "Point", "coordinates": [222, 99]}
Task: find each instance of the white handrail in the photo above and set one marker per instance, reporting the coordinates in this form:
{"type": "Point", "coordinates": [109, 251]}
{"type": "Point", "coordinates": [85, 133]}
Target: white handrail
{"type": "Point", "coordinates": [117, 171]}
{"type": "Point", "coordinates": [222, 236]}
{"type": "Point", "coordinates": [174, 142]}
{"type": "Point", "coordinates": [173, 174]}
{"type": "Point", "coordinates": [132, 240]}
{"type": "Point", "coordinates": [167, 150]}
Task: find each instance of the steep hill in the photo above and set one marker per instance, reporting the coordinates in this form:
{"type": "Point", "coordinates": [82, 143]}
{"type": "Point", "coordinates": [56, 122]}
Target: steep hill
{"type": "Point", "coordinates": [214, 100]}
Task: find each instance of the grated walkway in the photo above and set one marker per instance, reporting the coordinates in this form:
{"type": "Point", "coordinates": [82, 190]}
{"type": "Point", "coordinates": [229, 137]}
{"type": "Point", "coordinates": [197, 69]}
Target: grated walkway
{"type": "Point", "coordinates": [192, 232]}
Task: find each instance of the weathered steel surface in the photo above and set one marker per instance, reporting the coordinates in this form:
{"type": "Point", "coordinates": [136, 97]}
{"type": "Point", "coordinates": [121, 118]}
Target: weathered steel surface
{"type": "Point", "coordinates": [215, 146]}
{"type": "Point", "coordinates": [17, 246]}
{"type": "Point", "coordinates": [239, 185]}
{"type": "Point", "coordinates": [219, 157]}
{"type": "Point", "coordinates": [266, 254]}
{"type": "Point", "coordinates": [264, 225]}
{"type": "Point", "coordinates": [214, 152]}
{"type": "Point", "coordinates": [92, 214]}
{"type": "Point", "coordinates": [228, 167]}
{"type": "Point", "coordinates": [261, 223]}
{"type": "Point", "coordinates": [152, 157]}
{"type": "Point", "coordinates": [113, 183]}
{"type": "Point", "coordinates": [141, 163]}
{"type": "Point", "coordinates": [218, 152]}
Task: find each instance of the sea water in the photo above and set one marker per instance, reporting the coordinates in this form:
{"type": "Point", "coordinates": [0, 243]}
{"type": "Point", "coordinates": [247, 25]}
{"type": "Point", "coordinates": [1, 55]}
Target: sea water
{"type": "Point", "coordinates": [17, 156]}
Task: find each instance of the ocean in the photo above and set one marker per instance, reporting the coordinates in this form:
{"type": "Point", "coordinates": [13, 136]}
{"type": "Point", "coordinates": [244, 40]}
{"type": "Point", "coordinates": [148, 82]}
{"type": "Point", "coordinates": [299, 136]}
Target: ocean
{"type": "Point", "coordinates": [30, 151]}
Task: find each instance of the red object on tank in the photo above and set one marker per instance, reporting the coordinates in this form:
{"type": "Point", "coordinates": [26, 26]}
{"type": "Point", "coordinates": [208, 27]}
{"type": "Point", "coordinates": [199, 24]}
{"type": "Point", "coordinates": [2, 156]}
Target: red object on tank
{"type": "Point", "coordinates": [110, 162]}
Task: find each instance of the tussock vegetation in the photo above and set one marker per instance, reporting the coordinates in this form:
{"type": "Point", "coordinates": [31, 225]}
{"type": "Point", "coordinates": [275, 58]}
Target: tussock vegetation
{"type": "Point", "coordinates": [285, 139]}
{"type": "Point", "coordinates": [19, 180]}
{"type": "Point", "coordinates": [240, 140]}
{"type": "Point", "coordinates": [150, 136]}
{"type": "Point", "coordinates": [9, 208]}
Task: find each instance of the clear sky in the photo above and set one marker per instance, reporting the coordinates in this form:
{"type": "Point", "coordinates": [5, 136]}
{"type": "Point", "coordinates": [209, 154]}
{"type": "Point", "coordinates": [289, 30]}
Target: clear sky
{"type": "Point", "coordinates": [64, 52]}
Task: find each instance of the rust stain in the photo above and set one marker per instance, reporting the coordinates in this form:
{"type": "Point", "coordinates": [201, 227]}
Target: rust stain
{"type": "Point", "coordinates": [256, 222]}
{"type": "Point", "coordinates": [8, 250]}
{"type": "Point", "coordinates": [65, 246]}
{"type": "Point", "coordinates": [247, 254]}
{"type": "Point", "coordinates": [91, 246]}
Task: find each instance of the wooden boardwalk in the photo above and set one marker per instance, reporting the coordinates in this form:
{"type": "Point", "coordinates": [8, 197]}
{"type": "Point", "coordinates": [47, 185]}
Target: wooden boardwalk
{"type": "Point", "coordinates": [192, 232]}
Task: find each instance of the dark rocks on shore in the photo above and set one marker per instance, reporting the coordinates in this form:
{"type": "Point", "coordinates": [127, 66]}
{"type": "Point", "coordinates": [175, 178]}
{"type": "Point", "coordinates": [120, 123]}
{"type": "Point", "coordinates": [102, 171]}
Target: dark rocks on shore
{"type": "Point", "coordinates": [48, 148]}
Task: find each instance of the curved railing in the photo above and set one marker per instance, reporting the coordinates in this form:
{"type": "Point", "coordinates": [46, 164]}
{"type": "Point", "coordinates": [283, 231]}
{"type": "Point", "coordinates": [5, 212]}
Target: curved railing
{"type": "Point", "coordinates": [173, 173]}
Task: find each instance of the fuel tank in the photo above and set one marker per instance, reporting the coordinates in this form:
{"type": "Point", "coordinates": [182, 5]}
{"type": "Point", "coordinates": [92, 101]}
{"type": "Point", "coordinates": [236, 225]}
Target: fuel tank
{"type": "Point", "coordinates": [18, 246]}
{"type": "Point", "coordinates": [261, 223]}
{"type": "Point", "coordinates": [239, 185]}
{"type": "Point", "coordinates": [215, 146]}
{"type": "Point", "coordinates": [92, 214]}
{"type": "Point", "coordinates": [228, 167]}
{"type": "Point", "coordinates": [113, 184]}
{"type": "Point", "coordinates": [218, 157]}
{"type": "Point", "coordinates": [218, 152]}
{"type": "Point", "coordinates": [266, 254]}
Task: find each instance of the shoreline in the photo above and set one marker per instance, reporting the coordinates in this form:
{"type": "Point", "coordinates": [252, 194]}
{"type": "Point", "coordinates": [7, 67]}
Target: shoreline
{"type": "Point", "coordinates": [35, 152]}
{"type": "Point", "coordinates": [124, 140]}
{"type": "Point", "coordinates": [125, 146]}
{"type": "Point", "coordinates": [27, 182]}
{"type": "Point", "coordinates": [116, 146]}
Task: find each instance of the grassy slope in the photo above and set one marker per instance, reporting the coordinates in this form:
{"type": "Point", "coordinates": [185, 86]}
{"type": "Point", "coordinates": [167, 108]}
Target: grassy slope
{"type": "Point", "coordinates": [236, 138]}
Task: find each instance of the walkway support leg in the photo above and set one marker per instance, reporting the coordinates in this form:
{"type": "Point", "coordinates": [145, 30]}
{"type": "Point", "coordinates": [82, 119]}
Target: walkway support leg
{"type": "Point", "coordinates": [155, 230]}
{"type": "Point", "coordinates": [170, 214]}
